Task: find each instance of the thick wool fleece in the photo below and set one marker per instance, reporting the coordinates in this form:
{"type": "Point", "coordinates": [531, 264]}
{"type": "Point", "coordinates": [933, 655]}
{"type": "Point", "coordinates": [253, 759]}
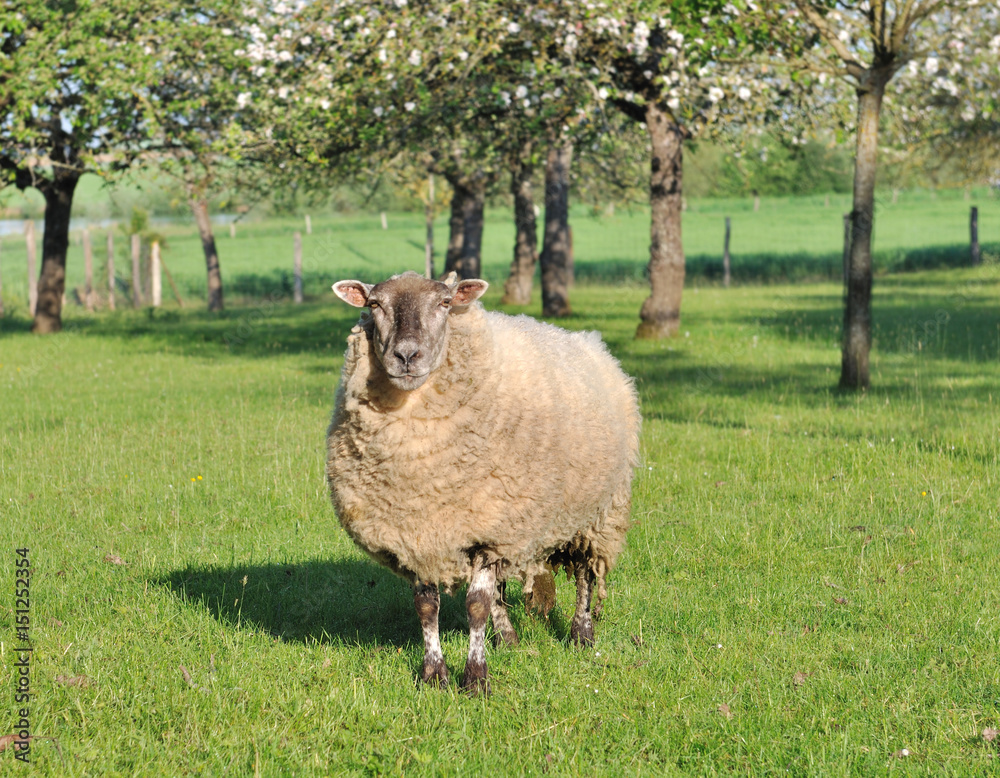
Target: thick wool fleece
{"type": "Point", "coordinates": [521, 445]}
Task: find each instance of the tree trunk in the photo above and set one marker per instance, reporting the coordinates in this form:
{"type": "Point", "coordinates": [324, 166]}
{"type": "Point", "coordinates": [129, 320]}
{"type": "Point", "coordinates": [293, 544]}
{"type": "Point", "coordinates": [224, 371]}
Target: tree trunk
{"type": "Point", "coordinates": [660, 315]}
{"type": "Point", "coordinates": [199, 207]}
{"type": "Point", "coordinates": [1, 295]}
{"type": "Point", "coordinates": [58, 195]}
{"type": "Point", "coordinates": [467, 205]}
{"type": "Point", "coordinates": [456, 231]}
{"type": "Point", "coordinates": [556, 256]}
{"type": "Point", "coordinates": [517, 289]}
{"type": "Point", "coordinates": [857, 336]}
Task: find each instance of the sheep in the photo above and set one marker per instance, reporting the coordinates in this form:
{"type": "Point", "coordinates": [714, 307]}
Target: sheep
{"type": "Point", "coordinates": [473, 447]}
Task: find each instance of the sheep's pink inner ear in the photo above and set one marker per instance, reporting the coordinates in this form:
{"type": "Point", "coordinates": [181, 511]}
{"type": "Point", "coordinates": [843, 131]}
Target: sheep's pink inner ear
{"type": "Point", "coordinates": [353, 292]}
{"type": "Point", "coordinates": [469, 291]}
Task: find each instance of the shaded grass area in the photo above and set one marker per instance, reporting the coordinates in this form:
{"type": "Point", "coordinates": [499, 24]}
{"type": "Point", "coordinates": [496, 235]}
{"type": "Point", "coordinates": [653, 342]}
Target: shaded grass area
{"type": "Point", "coordinates": [810, 585]}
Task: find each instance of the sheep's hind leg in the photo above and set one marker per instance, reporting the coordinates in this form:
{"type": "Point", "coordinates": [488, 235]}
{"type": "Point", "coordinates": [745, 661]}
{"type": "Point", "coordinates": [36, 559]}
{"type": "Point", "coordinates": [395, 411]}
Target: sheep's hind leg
{"type": "Point", "coordinates": [582, 630]}
{"type": "Point", "coordinates": [427, 600]}
{"type": "Point", "coordinates": [479, 602]}
{"type": "Point", "coordinates": [501, 619]}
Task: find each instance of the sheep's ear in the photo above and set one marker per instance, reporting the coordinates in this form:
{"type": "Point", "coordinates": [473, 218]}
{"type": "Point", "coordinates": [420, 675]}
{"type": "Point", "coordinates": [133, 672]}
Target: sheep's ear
{"type": "Point", "coordinates": [468, 291]}
{"type": "Point", "coordinates": [451, 279]}
{"type": "Point", "coordinates": [353, 292]}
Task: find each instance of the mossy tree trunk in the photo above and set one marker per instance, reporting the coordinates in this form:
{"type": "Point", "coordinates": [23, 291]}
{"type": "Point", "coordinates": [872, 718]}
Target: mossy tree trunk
{"type": "Point", "coordinates": [660, 315]}
{"type": "Point", "coordinates": [199, 207]}
{"type": "Point", "coordinates": [465, 241]}
{"type": "Point", "coordinates": [58, 193]}
{"type": "Point", "coordinates": [857, 334]}
{"type": "Point", "coordinates": [556, 259]}
{"type": "Point", "coordinates": [517, 289]}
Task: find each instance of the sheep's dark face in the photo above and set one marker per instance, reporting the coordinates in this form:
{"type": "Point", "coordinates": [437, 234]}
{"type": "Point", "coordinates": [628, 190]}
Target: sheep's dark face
{"type": "Point", "coordinates": [410, 314]}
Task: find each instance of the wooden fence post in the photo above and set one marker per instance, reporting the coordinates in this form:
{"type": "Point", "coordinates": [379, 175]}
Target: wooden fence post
{"type": "Point", "coordinates": [429, 218]}
{"type": "Point", "coordinates": [298, 267]}
{"type": "Point", "coordinates": [111, 271]}
{"type": "Point", "coordinates": [309, 225]}
{"type": "Point", "coordinates": [88, 271]}
{"type": "Point", "coordinates": [977, 258]}
{"type": "Point", "coordinates": [725, 258]}
{"type": "Point", "coordinates": [232, 229]}
{"type": "Point", "coordinates": [385, 222]}
{"type": "Point", "coordinates": [29, 244]}
{"type": "Point", "coordinates": [155, 276]}
{"type": "Point", "coordinates": [136, 279]}
{"type": "Point", "coordinates": [1, 289]}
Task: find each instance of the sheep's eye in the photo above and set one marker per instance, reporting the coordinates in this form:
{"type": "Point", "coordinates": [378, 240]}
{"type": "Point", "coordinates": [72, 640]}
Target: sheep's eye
{"type": "Point", "coordinates": [373, 305]}
{"type": "Point", "coordinates": [446, 303]}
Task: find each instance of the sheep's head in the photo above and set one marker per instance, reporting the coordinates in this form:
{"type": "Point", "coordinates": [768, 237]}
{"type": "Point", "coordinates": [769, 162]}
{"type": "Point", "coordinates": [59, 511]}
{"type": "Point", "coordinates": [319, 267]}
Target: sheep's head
{"type": "Point", "coordinates": [410, 314]}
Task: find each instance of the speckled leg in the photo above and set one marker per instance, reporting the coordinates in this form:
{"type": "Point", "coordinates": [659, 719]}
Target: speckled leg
{"type": "Point", "coordinates": [478, 603]}
{"type": "Point", "coordinates": [582, 630]}
{"type": "Point", "coordinates": [501, 619]}
{"type": "Point", "coordinates": [427, 600]}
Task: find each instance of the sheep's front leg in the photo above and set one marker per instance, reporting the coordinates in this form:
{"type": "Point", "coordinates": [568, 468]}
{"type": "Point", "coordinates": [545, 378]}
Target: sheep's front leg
{"type": "Point", "coordinates": [501, 619]}
{"type": "Point", "coordinates": [479, 602]}
{"type": "Point", "coordinates": [582, 630]}
{"type": "Point", "coordinates": [427, 600]}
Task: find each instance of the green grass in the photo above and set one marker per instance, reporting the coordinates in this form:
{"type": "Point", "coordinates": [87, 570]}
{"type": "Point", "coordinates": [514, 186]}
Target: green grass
{"type": "Point", "coordinates": [822, 565]}
{"type": "Point", "coordinates": [788, 239]}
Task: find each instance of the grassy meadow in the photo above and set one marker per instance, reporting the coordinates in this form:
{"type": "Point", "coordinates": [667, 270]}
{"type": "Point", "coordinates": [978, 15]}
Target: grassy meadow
{"type": "Point", "coordinates": [810, 586]}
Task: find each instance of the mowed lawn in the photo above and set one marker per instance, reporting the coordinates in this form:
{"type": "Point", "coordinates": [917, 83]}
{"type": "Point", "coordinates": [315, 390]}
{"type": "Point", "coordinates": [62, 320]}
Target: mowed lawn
{"type": "Point", "coordinates": [811, 585]}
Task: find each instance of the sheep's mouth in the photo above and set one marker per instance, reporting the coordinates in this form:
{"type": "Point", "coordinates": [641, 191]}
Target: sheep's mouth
{"type": "Point", "coordinates": [407, 380]}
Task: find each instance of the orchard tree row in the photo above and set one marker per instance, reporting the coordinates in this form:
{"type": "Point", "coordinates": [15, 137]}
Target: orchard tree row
{"type": "Point", "coordinates": [484, 94]}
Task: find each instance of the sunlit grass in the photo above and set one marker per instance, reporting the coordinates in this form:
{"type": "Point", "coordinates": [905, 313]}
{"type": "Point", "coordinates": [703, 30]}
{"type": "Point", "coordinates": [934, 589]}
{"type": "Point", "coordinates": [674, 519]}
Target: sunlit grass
{"type": "Point", "coordinates": [810, 585]}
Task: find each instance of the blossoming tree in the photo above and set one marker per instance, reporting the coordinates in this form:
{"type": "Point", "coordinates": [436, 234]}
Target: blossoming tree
{"type": "Point", "coordinates": [669, 66]}
{"type": "Point", "coordinates": [867, 43]}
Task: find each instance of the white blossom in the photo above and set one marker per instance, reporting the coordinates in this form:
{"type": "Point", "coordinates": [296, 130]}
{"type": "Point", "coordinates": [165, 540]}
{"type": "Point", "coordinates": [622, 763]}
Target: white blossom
{"type": "Point", "coordinates": [640, 38]}
{"type": "Point", "coordinates": [415, 58]}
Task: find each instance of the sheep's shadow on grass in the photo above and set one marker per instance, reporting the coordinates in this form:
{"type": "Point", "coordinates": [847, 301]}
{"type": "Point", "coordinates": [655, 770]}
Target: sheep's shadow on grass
{"type": "Point", "coordinates": [341, 601]}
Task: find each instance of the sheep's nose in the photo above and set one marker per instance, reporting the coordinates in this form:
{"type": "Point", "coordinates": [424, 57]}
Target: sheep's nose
{"type": "Point", "coordinates": [406, 354]}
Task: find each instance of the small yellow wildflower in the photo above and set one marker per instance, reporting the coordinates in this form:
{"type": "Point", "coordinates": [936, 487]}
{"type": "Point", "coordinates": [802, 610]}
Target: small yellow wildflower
{"type": "Point", "coordinates": [199, 478]}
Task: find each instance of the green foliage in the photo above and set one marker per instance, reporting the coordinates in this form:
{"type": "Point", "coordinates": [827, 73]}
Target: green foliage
{"type": "Point", "coordinates": [779, 165]}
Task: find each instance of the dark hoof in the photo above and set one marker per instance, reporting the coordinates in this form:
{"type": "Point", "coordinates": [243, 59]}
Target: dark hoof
{"type": "Point", "coordinates": [582, 634]}
{"type": "Point", "coordinates": [506, 638]}
{"type": "Point", "coordinates": [435, 674]}
{"type": "Point", "coordinates": [474, 680]}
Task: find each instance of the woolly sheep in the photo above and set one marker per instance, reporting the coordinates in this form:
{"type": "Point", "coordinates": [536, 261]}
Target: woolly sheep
{"type": "Point", "coordinates": [474, 447]}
